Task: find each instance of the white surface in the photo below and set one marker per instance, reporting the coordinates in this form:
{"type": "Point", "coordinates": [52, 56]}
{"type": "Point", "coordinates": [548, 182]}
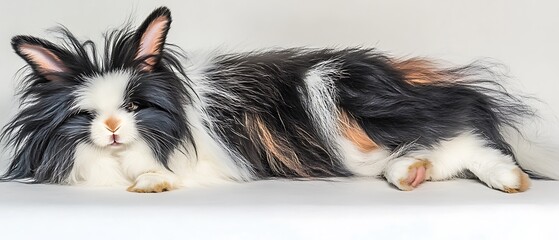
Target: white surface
{"type": "Point", "coordinates": [355, 209]}
{"type": "Point", "coordinates": [523, 35]}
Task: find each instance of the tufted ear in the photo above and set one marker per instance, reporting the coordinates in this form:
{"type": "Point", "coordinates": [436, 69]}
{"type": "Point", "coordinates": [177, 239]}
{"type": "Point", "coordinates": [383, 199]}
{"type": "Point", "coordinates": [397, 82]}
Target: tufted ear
{"type": "Point", "coordinates": [151, 37]}
{"type": "Point", "coordinates": [43, 56]}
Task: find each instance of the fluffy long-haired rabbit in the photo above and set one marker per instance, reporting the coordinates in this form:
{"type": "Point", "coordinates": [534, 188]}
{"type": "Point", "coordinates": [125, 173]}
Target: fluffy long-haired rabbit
{"type": "Point", "coordinates": [141, 114]}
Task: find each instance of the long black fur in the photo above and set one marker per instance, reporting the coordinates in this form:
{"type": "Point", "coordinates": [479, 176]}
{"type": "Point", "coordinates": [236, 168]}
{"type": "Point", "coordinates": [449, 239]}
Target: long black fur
{"type": "Point", "coordinates": [395, 113]}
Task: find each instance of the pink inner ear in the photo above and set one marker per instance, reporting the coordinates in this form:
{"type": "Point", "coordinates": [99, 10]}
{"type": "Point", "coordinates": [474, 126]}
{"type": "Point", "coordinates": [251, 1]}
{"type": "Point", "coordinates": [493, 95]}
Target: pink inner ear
{"type": "Point", "coordinates": [150, 43]}
{"type": "Point", "coordinates": [43, 58]}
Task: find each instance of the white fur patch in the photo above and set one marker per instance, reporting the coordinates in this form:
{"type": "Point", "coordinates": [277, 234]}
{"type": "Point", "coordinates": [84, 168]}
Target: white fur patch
{"type": "Point", "coordinates": [320, 98]}
{"type": "Point", "coordinates": [448, 159]}
{"type": "Point", "coordinates": [469, 151]}
{"type": "Point", "coordinates": [94, 166]}
{"type": "Point", "coordinates": [103, 93]}
{"type": "Point", "coordinates": [110, 166]}
{"type": "Point", "coordinates": [104, 96]}
{"type": "Point", "coordinates": [466, 151]}
{"type": "Point", "coordinates": [534, 151]}
{"type": "Point", "coordinates": [365, 164]}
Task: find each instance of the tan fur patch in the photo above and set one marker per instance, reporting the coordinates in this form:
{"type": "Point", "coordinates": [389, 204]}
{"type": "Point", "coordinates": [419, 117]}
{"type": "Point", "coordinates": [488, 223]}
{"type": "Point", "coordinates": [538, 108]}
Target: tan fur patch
{"type": "Point", "coordinates": [112, 123]}
{"type": "Point", "coordinates": [278, 151]}
{"type": "Point", "coordinates": [421, 71]}
{"type": "Point", "coordinates": [352, 131]}
{"type": "Point", "coordinates": [421, 163]}
{"type": "Point", "coordinates": [161, 187]}
{"type": "Point", "coordinates": [404, 184]}
{"type": "Point", "coordinates": [525, 182]}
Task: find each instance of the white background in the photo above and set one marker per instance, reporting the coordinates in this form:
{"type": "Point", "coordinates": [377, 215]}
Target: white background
{"type": "Point", "coordinates": [523, 35]}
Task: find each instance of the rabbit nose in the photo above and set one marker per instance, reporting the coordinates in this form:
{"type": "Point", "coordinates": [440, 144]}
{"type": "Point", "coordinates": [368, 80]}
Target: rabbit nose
{"type": "Point", "coordinates": [112, 124]}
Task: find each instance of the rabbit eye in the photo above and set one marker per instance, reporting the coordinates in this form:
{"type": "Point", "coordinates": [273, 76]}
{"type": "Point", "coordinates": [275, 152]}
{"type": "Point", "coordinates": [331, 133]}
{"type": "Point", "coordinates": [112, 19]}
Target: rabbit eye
{"type": "Point", "coordinates": [131, 106]}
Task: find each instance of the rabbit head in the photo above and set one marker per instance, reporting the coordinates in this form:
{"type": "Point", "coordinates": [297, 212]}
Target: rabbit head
{"type": "Point", "coordinates": [135, 90]}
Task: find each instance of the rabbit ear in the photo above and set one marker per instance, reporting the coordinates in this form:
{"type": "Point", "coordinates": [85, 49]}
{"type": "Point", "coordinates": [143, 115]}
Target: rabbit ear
{"type": "Point", "coordinates": [151, 38]}
{"type": "Point", "coordinates": [41, 55]}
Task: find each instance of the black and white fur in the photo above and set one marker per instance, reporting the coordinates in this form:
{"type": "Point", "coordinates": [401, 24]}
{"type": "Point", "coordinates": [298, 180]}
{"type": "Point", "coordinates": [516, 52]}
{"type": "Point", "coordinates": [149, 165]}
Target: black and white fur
{"type": "Point", "coordinates": [149, 118]}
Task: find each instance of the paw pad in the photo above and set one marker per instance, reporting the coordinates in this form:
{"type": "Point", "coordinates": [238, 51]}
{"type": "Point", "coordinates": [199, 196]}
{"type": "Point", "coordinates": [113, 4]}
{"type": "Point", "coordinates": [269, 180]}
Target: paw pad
{"type": "Point", "coordinates": [409, 173]}
{"type": "Point", "coordinates": [523, 183]}
{"type": "Point", "coordinates": [152, 183]}
{"type": "Point", "coordinates": [157, 188]}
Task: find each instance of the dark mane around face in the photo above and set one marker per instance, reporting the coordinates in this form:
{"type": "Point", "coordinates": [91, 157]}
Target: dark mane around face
{"type": "Point", "coordinates": [44, 134]}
